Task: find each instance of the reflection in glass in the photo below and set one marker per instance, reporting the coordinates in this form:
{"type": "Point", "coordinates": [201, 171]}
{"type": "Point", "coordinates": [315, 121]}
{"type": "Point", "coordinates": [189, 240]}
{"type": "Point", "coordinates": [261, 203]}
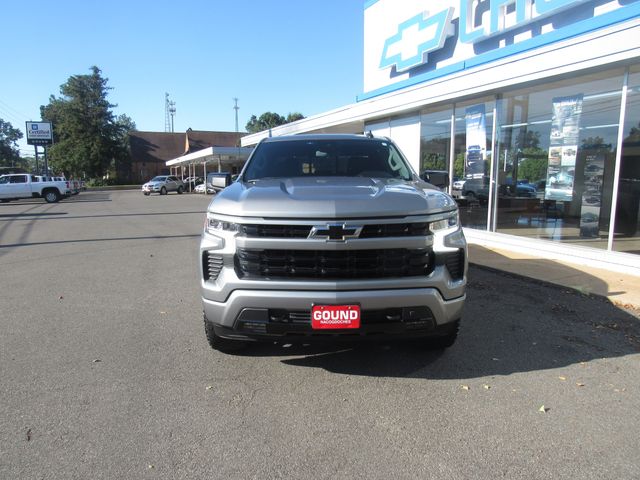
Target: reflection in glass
{"type": "Point", "coordinates": [474, 123]}
{"type": "Point", "coordinates": [435, 140]}
{"type": "Point", "coordinates": [556, 159]}
{"type": "Point", "coordinates": [627, 238]}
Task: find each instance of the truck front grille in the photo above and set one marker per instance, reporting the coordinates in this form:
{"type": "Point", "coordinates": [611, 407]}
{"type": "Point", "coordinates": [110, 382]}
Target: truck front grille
{"type": "Point", "coordinates": [368, 231]}
{"type": "Point", "coordinates": [395, 230]}
{"type": "Point", "coordinates": [275, 231]}
{"type": "Point", "coordinates": [333, 265]}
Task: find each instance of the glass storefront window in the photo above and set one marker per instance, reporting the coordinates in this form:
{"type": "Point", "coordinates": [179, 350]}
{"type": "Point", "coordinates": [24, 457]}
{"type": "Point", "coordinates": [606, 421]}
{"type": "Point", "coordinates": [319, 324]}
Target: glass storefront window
{"type": "Point", "coordinates": [627, 236]}
{"type": "Point", "coordinates": [556, 159]}
{"type": "Point", "coordinates": [435, 139]}
{"type": "Point", "coordinates": [473, 156]}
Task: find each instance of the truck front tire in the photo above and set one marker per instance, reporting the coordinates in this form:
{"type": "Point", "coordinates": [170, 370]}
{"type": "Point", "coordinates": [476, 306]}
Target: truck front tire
{"type": "Point", "coordinates": [51, 196]}
{"type": "Point", "coordinates": [221, 344]}
{"type": "Point", "coordinates": [446, 340]}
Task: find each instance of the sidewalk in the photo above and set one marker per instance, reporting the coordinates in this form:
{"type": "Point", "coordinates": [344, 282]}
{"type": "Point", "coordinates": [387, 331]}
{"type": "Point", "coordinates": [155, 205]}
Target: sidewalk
{"type": "Point", "coordinates": [619, 289]}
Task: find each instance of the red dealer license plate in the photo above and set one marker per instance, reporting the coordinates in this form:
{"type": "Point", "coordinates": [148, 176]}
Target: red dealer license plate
{"type": "Point", "coordinates": [335, 316]}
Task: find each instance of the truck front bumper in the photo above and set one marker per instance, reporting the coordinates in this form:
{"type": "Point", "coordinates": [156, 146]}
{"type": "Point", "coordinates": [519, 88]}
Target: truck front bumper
{"type": "Point", "coordinates": [286, 315]}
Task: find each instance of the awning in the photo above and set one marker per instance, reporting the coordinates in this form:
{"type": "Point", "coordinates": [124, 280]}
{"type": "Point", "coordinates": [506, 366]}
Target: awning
{"type": "Point", "coordinates": [213, 154]}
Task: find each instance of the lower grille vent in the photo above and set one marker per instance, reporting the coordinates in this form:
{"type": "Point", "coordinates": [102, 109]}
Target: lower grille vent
{"type": "Point", "coordinates": [211, 265]}
{"type": "Point", "coordinates": [455, 264]}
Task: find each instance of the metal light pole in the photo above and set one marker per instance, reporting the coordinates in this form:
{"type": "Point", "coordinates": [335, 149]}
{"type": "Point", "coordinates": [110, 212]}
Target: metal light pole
{"type": "Point", "coordinates": [172, 111]}
{"type": "Point", "coordinates": [236, 108]}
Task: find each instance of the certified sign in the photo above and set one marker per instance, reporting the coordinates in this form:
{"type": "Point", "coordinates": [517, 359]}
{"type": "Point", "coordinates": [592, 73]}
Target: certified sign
{"type": "Point", "coordinates": [39, 133]}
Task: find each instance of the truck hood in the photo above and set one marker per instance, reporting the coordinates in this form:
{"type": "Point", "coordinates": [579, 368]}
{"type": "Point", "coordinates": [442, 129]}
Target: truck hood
{"type": "Point", "coordinates": [330, 197]}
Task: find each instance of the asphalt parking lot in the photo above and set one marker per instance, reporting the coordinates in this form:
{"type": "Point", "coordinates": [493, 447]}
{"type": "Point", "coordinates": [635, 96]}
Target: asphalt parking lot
{"type": "Point", "coordinates": [106, 373]}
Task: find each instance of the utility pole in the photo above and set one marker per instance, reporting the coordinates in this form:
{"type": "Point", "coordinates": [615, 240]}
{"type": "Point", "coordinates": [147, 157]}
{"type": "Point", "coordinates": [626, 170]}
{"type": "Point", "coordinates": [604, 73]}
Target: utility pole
{"type": "Point", "coordinates": [236, 108]}
{"type": "Point", "coordinates": [169, 112]}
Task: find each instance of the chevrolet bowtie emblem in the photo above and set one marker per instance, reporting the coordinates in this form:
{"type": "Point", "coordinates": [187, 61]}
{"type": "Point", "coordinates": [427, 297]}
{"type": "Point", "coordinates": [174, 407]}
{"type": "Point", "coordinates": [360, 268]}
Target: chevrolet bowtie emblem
{"type": "Point", "coordinates": [335, 232]}
{"type": "Point", "coordinates": [415, 39]}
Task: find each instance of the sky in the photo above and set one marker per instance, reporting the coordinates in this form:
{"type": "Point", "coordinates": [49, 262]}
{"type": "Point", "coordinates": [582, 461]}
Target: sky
{"type": "Point", "coordinates": [278, 55]}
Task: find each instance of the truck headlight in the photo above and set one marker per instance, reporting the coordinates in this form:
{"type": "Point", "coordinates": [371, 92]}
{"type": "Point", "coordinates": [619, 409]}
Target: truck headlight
{"type": "Point", "coordinates": [449, 220]}
{"type": "Point", "coordinates": [215, 225]}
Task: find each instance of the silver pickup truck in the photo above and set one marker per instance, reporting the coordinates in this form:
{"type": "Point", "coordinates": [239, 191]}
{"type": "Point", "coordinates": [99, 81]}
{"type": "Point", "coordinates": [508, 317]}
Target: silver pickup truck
{"type": "Point", "coordinates": [23, 185]}
{"type": "Point", "coordinates": [331, 237]}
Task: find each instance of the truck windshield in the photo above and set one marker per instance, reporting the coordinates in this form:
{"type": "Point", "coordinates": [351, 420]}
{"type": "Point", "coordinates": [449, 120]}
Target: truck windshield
{"type": "Point", "coordinates": [327, 158]}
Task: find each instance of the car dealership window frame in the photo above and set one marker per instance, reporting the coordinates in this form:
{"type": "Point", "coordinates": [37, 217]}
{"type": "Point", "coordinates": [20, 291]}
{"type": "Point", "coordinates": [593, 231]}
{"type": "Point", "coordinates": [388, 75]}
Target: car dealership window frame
{"type": "Point", "coordinates": [456, 120]}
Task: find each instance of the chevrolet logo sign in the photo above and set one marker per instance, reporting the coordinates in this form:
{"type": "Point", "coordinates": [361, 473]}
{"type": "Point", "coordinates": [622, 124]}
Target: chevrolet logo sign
{"type": "Point", "coordinates": [415, 39]}
{"type": "Point", "coordinates": [335, 232]}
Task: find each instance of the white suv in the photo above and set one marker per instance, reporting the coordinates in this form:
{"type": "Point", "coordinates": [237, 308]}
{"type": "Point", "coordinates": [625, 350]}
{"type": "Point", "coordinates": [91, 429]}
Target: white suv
{"type": "Point", "coordinates": [163, 184]}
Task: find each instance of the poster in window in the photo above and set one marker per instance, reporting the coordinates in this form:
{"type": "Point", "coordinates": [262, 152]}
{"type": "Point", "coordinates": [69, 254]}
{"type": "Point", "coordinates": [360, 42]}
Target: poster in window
{"type": "Point", "coordinates": [563, 149]}
{"type": "Point", "coordinates": [592, 196]}
{"type": "Point", "coordinates": [476, 154]}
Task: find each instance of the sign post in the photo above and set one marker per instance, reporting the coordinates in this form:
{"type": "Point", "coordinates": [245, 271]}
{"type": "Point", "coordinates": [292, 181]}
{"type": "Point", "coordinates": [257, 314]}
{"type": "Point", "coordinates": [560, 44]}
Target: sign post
{"type": "Point", "coordinates": [40, 133]}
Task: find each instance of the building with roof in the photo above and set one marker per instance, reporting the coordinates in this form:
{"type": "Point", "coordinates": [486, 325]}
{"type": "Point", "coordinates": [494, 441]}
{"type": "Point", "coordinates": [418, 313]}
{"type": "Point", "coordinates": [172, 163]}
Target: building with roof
{"type": "Point", "coordinates": [150, 151]}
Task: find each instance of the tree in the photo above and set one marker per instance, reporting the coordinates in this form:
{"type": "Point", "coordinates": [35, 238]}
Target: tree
{"type": "Point", "coordinates": [533, 169]}
{"type": "Point", "coordinates": [634, 135]}
{"type": "Point", "coordinates": [294, 117]}
{"type": "Point", "coordinates": [9, 151]}
{"type": "Point", "coordinates": [87, 136]}
{"type": "Point", "coordinates": [434, 154]}
{"type": "Point", "coordinates": [122, 161]}
{"type": "Point", "coordinates": [270, 120]}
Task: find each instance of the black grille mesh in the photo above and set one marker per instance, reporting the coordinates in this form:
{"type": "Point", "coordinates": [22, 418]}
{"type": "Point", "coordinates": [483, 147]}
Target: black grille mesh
{"type": "Point", "coordinates": [368, 231]}
{"type": "Point", "coordinates": [275, 231]}
{"type": "Point", "coordinates": [395, 230]}
{"type": "Point", "coordinates": [341, 264]}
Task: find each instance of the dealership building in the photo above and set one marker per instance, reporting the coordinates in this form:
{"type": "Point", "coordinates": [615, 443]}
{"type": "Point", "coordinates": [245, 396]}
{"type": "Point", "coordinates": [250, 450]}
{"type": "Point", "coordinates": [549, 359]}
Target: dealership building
{"type": "Point", "coordinates": [531, 106]}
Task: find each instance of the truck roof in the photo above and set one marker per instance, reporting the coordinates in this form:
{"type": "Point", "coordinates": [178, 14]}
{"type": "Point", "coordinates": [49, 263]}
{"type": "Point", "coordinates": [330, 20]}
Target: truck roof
{"type": "Point", "coordinates": [321, 136]}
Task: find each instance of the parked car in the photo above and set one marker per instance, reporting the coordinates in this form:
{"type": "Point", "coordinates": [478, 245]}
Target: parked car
{"type": "Point", "coordinates": [200, 189]}
{"type": "Point", "coordinates": [74, 186]}
{"type": "Point", "coordinates": [190, 183]}
{"type": "Point", "coordinates": [522, 189]}
{"type": "Point", "coordinates": [16, 186]}
{"type": "Point", "coordinates": [163, 184]}
{"type": "Point", "coordinates": [476, 189]}
{"type": "Point", "coordinates": [67, 191]}
{"type": "Point", "coordinates": [458, 183]}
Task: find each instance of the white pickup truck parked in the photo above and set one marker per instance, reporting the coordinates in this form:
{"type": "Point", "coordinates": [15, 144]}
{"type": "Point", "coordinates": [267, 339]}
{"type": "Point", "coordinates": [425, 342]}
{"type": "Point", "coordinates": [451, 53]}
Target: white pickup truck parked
{"type": "Point", "coordinates": [24, 185]}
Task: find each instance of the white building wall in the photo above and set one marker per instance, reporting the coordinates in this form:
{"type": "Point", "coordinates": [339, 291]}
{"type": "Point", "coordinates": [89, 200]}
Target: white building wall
{"type": "Point", "coordinates": [379, 129]}
{"type": "Point", "coordinates": [405, 132]}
